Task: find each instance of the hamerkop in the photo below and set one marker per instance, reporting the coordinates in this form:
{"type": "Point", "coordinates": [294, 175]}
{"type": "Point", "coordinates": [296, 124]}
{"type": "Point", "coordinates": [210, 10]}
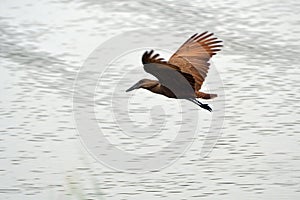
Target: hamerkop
{"type": "Point", "coordinates": [183, 75]}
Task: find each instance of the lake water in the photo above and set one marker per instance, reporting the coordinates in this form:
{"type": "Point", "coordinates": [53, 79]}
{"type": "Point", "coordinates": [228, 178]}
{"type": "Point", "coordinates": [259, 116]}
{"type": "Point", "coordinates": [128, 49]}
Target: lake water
{"type": "Point", "coordinates": [45, 43]}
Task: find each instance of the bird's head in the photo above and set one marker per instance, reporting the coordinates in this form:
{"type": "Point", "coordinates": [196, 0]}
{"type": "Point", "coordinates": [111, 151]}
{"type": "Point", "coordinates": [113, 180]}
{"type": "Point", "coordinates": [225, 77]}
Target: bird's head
{"type": "Point", "coordinates": [144, 83]}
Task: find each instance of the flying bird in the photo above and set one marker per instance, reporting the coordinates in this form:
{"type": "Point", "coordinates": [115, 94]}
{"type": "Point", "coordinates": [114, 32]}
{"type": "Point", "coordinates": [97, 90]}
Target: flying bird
{"type": "Point", "coordinates": [182, 76]}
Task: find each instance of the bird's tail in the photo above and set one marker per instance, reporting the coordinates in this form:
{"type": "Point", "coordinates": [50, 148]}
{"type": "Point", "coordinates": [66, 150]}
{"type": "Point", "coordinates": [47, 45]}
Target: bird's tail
{"type": "Point", "coordinates": [203, 95]}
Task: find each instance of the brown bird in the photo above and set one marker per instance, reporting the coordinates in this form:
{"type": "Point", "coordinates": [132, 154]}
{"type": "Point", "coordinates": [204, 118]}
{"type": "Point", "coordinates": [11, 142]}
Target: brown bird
{"type": "Point", "coordinates": [183, 75]}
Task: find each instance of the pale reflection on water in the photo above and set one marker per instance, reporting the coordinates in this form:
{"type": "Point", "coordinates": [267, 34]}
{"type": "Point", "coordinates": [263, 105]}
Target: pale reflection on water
{"type": "Point", "coordinates": [43, 44]}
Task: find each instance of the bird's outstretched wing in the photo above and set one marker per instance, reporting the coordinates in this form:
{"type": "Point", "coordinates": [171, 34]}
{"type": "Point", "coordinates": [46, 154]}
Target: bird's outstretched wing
{"type": "Point", "coordinates": [193, 56]}
{"type": "Point", "coordinates": [168, 75]}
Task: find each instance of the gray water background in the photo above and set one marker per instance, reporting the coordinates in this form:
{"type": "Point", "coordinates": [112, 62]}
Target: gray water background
{"type": "Point", "coordinates": [42, 46]}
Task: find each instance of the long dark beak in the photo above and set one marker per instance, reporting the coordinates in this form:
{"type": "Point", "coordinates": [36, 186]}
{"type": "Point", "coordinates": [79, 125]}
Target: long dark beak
{"type": "Point", "coordinates": [135, 86]}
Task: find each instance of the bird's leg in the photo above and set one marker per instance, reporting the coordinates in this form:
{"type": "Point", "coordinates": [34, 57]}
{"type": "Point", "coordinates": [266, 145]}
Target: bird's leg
{"type": "Point", "coordinates": [202, 105]}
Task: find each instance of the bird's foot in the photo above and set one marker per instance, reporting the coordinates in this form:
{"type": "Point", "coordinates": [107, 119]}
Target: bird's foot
{"type": "Point", "coordinates": [206, 106]}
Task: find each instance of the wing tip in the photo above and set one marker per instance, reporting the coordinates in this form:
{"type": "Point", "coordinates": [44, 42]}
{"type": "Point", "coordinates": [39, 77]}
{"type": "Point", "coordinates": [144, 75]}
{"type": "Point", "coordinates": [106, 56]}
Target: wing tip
{"type": "Point", "coordinates": [148, 57]}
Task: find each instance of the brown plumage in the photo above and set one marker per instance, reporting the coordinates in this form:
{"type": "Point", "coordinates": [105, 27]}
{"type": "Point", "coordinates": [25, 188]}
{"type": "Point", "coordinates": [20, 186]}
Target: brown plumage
{"type": "Point", "coordinates": [183, 75]}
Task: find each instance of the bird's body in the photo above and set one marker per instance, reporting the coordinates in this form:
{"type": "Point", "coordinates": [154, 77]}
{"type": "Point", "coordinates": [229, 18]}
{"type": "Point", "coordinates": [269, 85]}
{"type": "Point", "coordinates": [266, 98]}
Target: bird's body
{"type": "Point", "coordinates": [183, 75]}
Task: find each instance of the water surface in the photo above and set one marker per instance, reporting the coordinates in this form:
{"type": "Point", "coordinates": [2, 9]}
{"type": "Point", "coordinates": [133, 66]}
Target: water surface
{"type": "Point", "coordinates": [44, 44]}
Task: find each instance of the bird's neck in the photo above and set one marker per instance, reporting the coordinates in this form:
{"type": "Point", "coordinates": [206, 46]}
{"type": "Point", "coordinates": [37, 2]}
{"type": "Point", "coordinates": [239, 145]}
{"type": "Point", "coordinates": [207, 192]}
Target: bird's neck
{"type": "Point", "coordinates": [154, 88]}
{"type": "Point", "coordinates": [160, 89]}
